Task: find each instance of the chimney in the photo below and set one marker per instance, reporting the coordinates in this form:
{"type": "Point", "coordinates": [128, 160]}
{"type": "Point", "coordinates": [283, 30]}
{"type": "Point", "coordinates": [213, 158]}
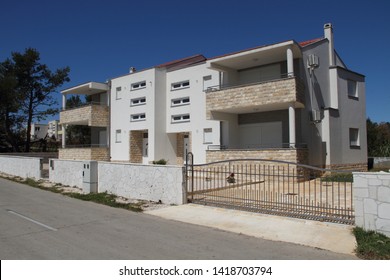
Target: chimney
{"type": "Point", "coordinates": [328, 34]}
{"type": "Point", "coordinates": [132, 70]}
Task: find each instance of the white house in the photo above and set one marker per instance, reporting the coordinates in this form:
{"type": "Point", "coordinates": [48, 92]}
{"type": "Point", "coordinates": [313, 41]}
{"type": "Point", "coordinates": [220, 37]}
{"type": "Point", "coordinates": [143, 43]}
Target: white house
{"type": "Point", "coordinates": [38, 131]}
{"type": "Point", "coordinates": [286, 101]}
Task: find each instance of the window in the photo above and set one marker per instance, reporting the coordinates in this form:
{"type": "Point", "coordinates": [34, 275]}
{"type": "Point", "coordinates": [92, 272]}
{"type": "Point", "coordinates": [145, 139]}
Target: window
{"type": "Point", "coordinates": [118, 93]}
{"type": "Point", "coordinates": [207, 135]}
{"type": "Point", "coordinates": [180, 85]}
{"type": "Point", "coordinates": [354, 139]}
{"type": "Point", "coordinates": [180, 101]}
{"type": "Point", "coordinates": [138, 117]}
{"type": "Point", "coordinates": [352, 89]}
{"type": "Point", "coordinates": [180, 118]}
{"type": "Point", "coordinates": [138, 85]}
{"type": "Point", "coordinates": [118, 136]}
{"type": "Point", "coordinates": [138, 101]}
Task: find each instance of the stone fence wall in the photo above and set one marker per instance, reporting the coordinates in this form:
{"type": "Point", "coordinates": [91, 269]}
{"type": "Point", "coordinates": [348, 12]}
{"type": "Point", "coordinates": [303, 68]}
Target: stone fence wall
{"type": "Point", "coordinates": [66, 172]}
{"type": "Point", "coordinates": [372, 201]}
{"type": "Point", "coordinates": [149, 182]}
{"type": "Point", "coordinates": [25, 167]}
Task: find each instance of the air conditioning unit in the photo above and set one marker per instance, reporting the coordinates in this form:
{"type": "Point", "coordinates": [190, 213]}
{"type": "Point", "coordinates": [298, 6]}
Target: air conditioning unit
{"type": "Point", "coordinates": [312, 61]}
{"type": "Point", "coordinates": [315, 116]}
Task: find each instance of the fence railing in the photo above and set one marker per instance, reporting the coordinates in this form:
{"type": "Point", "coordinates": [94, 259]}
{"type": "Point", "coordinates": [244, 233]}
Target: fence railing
{"type": "Point", "coordinates": [273, 187]}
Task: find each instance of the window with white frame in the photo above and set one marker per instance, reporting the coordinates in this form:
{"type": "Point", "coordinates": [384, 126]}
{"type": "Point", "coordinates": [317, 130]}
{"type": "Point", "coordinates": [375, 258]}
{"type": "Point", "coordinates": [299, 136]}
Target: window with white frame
{"type": "Point", "coordinates": [352, 88]}
{"type": "Point", "coordinates": [180, 118]}
{"type": "Point", "coordinates": [118, 136]}
{"type": "Point", "coordinates": [180, 101]}
{"type": "Point", "coordinates": [118, 92]}
{"type": "Point", "coordinates": [354, 138]}
{"type": "Point", "coordinates": [138, 101]}
{"type": "Point", "coordinates": [138, 117]}
{"type": "Point", "coordinates": [180, 85]}
{"type": "Point", "coordinates": [138, 85]}
{"type": "Point", "coordinates": [207, 135]}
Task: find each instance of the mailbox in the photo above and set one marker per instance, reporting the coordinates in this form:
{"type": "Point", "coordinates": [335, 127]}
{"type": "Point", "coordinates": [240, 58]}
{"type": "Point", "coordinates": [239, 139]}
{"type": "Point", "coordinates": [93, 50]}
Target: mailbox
{"type": "Point", "coordinates": [90, 176]}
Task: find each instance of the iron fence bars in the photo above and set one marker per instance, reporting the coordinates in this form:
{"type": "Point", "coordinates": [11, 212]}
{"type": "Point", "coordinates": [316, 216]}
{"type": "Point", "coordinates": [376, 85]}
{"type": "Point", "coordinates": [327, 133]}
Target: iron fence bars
{"type": "Point", "coordinates": [272, 187]}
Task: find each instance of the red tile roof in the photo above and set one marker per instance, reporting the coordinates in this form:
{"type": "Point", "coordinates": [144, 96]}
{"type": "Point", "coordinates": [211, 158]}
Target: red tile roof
{"type": "Point", "coordinates": [308, 42]}
{"type": "Point", "coordinates": [183, 62]}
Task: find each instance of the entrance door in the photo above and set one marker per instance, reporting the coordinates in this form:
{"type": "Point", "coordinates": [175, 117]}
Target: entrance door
{"type": "Point", "coordinates": [145, 148]}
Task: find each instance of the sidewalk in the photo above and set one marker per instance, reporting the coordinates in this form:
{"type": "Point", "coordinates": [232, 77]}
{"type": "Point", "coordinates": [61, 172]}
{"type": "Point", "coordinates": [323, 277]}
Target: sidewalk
{"type": "Point", "coordinates": [333, 237]}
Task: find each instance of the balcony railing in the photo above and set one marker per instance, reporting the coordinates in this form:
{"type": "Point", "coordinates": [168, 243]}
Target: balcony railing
{"type": "Point", "coordinates": [238, 85]}
{"type": "Point", "coordinates": [256, 147]}
{"type": "Point", "coordinates": [91, 114]}
{"type": "Point", "coordinates": [88, 152]}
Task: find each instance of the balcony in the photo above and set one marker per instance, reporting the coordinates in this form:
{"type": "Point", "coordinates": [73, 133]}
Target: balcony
{"type": "Point", "coordinates": [258, 97]}
{"type": "Point", "coordinates": [296, 155]}
{"type": "Point", "coordinates": [91, 114]}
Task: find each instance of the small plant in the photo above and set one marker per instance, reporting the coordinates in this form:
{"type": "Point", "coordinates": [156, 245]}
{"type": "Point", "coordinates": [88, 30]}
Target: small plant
{"type": "Point", "coordinates": [372, 245]}
{"type": "Point", "coordinates": [338, 177]}
{"type": "Point", "coordinates": [160, 162]}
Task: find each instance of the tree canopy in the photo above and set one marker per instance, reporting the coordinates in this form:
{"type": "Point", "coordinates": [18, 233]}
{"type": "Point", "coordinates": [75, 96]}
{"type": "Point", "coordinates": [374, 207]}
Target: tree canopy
{"type": "Point", "coordinates": [27, 90]}
{"type": "Point", "coordinates": [378, 139]}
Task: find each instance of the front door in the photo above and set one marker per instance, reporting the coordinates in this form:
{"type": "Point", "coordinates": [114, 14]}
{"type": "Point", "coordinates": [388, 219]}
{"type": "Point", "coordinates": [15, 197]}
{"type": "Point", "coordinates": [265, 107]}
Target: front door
{"type": "Point", "coordinates": [145, 148]}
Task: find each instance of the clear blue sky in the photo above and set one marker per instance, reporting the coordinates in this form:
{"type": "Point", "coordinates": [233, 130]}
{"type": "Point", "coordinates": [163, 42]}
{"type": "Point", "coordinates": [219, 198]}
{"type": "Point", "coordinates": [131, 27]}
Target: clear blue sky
{"type": "Point", "coordinates": [99, 40]}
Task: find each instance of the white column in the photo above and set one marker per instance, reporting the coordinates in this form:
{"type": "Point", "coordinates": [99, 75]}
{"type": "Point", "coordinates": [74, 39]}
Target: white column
{"type": "Point", "coordinates": [63, 101]}
{"type": "Point", "coordinates": [63, 135]}
{"type": "Point", "coordinates": [291, 125]}
{"type": "Point", "coordinates": [290, 62]}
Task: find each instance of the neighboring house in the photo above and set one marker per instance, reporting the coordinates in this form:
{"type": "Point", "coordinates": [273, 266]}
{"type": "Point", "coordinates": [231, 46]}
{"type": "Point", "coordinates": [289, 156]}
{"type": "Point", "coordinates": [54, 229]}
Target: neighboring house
{"type": "Point", "coordinates": [53, 129]}
{"type": "Point", "coordinates": [285, 101]}
{"type": "Point", "coordinates": [38, 131]}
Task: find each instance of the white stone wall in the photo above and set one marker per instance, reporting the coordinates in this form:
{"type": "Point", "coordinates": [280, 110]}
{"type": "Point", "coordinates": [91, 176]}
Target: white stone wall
{"type": "Point", "coordinates": [66, 172]}
{"type": "Point", "coordinates": [372, 201]}
{"type": "Point", "coordinates": [148, 182]}
{"type": "Point", "coordinates": [25, 167]}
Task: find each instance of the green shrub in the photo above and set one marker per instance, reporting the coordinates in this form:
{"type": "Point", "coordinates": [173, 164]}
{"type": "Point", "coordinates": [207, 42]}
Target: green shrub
{"type": "Point", "coordinates": [160, 162]}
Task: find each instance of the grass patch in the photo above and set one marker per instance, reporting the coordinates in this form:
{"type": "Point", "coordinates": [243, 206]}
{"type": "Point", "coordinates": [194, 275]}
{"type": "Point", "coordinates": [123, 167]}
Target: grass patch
{"type": "Point", "coordinates": [107, 199]}
{"type": "Point", "coordinates": [101, 198]}
{"type": "Point", "coordinates": [372, 245]}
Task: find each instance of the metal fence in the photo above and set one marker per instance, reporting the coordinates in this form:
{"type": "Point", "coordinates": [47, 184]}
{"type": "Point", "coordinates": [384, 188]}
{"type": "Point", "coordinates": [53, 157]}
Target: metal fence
{"type": "Point", "coordinates": [272, 187]}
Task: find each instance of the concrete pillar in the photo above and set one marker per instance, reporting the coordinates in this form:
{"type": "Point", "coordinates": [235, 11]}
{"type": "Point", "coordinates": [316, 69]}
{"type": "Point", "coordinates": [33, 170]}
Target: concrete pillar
{"type": "Point", "coordinates": [291, 125]}
{"type": "Point", "coordinates": [290, 62]}
{"type": "Point", "coordinates": [63, 101]}
{"type": "Point", "coordinates": [63, 136]}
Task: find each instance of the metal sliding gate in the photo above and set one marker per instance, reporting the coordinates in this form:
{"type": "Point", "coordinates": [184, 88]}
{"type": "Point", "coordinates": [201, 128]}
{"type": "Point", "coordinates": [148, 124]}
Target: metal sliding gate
{"type": "Point", "coordinates": [272, 187]}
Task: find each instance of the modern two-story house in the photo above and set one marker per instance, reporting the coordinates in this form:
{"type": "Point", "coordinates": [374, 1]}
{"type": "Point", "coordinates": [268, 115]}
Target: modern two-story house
{"type": "Point", "coordinates": [285, 101]}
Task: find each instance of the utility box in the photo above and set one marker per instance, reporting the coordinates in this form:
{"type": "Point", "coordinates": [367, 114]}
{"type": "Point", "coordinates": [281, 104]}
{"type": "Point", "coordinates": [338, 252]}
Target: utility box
{"type": "Point", "coordinates": [90, 176]}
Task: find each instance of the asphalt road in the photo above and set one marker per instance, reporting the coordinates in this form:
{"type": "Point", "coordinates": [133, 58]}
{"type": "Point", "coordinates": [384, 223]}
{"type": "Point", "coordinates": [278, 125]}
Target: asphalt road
{"type": "Point", "coordinates": [37, 224]}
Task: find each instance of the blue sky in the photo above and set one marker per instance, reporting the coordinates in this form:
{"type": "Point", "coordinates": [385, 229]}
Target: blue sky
{"type": "Point", "coordinates": [99, 40]}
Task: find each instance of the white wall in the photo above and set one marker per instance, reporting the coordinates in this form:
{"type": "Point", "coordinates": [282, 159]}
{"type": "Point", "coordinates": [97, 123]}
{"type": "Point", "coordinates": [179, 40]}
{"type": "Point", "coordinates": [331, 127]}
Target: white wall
{"type": "Point", "coordinates": [66, 172]}
{"type": "Point", "coordinates": [121, 110]}
{"type": "Point", "coordinates": [25, 167]}
{"type": "Point", "coordinates": [148, 182]}
{"type": "Point", "coordinates": [196, 108]}
{"type": "Point", "coordinates": [371, 200]}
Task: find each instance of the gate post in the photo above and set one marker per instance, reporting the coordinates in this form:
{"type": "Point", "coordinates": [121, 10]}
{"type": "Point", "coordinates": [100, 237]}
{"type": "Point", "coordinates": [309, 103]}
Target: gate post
{"type": "Point", "coordinates": [190, 162]}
